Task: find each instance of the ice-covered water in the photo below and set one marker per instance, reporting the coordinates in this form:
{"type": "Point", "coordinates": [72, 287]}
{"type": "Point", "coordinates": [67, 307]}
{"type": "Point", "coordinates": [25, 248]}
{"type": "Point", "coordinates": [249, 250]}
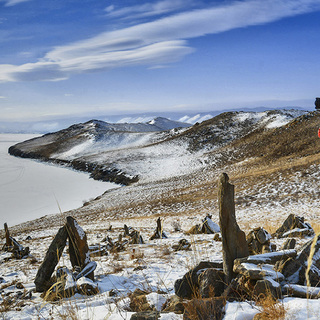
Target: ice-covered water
{"type": "Point", "coordinates": [30, 189]}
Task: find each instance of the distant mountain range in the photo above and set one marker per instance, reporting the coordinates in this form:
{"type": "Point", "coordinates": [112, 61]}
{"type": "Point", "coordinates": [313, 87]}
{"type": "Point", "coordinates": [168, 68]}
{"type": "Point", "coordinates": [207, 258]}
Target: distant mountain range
{"type": "Point", "coordinates": [59, 123]}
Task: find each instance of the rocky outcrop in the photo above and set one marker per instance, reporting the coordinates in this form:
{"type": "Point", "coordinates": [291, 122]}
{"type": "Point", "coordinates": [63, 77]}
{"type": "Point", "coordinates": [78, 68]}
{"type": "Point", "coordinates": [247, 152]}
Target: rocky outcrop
{"type": "Point", "coordinates": [234, 242]}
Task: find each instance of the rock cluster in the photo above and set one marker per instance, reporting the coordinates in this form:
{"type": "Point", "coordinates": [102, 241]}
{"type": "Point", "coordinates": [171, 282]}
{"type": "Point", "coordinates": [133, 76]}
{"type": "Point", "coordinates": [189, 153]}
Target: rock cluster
{"type": "Point", "coordinates": [258, 241]}
{"type": "Point", "coordinates": [294, 226]}
{"type": "Point", "coordinates": [12, 245]}
{"type": "Point", "coordinates": [67, 282]}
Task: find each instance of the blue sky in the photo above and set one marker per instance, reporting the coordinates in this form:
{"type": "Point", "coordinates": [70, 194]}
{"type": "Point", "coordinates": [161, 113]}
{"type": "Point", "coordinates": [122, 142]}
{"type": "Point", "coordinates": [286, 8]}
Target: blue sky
{"type": "Point", "coordinates": [67, 58]}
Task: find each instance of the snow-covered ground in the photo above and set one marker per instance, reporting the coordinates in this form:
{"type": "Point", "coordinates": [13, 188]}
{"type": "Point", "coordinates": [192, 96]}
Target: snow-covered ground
{"type": "Point", "coordinates": [30, 189]}
{"type": "Point", "coordinates": [178, 186]}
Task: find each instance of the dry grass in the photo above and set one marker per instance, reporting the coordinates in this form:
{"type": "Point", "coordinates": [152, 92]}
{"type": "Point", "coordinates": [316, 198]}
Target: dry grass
{"type": "Point", "coordinates": [200, 309]}
{"type": "Point", "coordinates": [271, 309]}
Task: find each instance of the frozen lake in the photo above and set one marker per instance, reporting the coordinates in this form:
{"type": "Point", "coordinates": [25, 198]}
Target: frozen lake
{"type": "Point", "coordinates": [30, 189]}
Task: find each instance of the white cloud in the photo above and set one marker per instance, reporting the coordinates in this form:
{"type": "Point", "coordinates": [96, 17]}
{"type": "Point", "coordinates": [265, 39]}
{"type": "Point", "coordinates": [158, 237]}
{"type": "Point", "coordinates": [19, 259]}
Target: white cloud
{"type": "Point", "coordinates": [10, 3]}
{"type": "Point", "coordinates": [3, 97]}
{"type": "Point", "coordinates": [154, 43]}
{"type": "Point", "coordinates": [148, 9]}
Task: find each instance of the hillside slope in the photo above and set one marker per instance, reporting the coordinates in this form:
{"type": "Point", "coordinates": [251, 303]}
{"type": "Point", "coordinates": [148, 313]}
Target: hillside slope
{"type": "Point", "coordinates": [271, 157]}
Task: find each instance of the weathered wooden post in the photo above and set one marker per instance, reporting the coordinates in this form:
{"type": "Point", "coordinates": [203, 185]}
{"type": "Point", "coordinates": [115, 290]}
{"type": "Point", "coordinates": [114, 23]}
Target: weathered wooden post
{"type": "Point", "coordinates": [234, 244]}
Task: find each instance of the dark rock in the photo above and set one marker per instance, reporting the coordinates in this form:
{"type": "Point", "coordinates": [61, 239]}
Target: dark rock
{"type": "Point", "coordinates": [78, 246]}
{"type": "Point", "coordinates": [139, 268]}
{"type": "Point", "coordinates": [267, 287]}
{"type": "Point", "coordinates": [217, 237]}
{"type": "Point", "coordinates": [146, 315]}
{"type": "Point", "coordinates": [42, 280]}
{"type": "Point", "coordinates": [211, 283]}
{"type": "Point", "coordinates": [7, 235]}
{"type": "Point", "coordinates": [289, 244]}
{"type": "Point", "coordinates": [234, 242]}
{"type": "Point", "coordinates": [136, 237]}
{"type": "Point", "coordinates": [159, 233]}
{"type": "Point", "coordinates": [188, 286]}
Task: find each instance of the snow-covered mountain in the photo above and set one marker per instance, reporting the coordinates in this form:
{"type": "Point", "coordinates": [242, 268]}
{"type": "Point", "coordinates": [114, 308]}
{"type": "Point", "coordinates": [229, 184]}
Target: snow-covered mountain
{"type": "Point", "coordinates": [145, 150]}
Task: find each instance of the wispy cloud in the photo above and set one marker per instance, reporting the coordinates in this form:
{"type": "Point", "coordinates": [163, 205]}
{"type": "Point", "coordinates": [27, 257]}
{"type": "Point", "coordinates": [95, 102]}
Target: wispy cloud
{"type": "Point", "coordinates": [3, 97]}
{"type": "Point", "coordinates": [148, 9]}
{"type": "Point", "coordinates": [159, 42]}
{"type": "Point", "coordinates": [10, 3]}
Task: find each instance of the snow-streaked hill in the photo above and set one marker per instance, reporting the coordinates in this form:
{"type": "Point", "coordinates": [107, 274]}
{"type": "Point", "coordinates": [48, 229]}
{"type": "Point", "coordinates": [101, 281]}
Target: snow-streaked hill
{"type": "Point", "coordinates": [145, 150]}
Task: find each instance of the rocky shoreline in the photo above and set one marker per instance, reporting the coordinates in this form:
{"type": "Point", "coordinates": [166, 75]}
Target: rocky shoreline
{"type": "Point", "coordinates": [97, 171]}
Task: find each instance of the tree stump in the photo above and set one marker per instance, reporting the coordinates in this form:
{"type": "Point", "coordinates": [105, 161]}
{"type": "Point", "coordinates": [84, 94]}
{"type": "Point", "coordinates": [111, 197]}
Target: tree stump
{"type": "Point", "coordinates": [234, 242]}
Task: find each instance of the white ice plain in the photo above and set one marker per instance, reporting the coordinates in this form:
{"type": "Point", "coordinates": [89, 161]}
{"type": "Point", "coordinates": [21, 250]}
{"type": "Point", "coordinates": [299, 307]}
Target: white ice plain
{"type": "Point", "coordinates": [30, 189]}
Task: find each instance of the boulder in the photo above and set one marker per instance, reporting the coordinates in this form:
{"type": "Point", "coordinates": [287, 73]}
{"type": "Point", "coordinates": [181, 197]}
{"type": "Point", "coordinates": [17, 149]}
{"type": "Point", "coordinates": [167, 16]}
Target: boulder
{"type": "Point", "coordinates": [188, 286]}
{"type": "Point", "coordinates": [267, 287]}
{"type": "Point", "coordinates": [234, 242]}
{"type": "Point", "coordinates": [295, 290]}
{"type": "Point", "coordinates": [211, 283]}
{"type": "Point", "coordinates": [257, 272]}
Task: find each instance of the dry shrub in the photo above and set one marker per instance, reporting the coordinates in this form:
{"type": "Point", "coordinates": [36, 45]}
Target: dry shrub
{"type": "Point", "coordinates": [271, 308]}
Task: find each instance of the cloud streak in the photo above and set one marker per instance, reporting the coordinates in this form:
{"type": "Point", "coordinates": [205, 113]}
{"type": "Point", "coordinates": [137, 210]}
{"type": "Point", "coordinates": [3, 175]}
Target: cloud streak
{"type": "Point", "coordinates": [10, 3]}
{"type": "Point", "coordinates": [148, 9]}
{"type": "Point", "coordinates": [159, 42]}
